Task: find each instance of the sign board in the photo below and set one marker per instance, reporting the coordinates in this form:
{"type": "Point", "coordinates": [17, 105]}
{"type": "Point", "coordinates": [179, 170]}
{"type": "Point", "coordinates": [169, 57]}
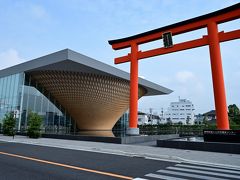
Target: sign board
{"type": "Point", "coordinates": [228, 136]}
{"type": "Point", "coordinates": [167, 39]}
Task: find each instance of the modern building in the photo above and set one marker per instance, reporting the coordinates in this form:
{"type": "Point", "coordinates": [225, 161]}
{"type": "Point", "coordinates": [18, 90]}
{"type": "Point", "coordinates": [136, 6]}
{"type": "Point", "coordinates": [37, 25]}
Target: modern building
{"type": "Point", "coordinates": [143, 118]}
{"type": "Point", "coordinates": [180, 112]}
{"type": "Point", "coordinates": [72, 92]}
{"type": "Point", "coordinates": [199, 119]}
{"type": "Point", "coordinates": [210, 116]}
{"type": "Point", "coordinates": [149, 119]}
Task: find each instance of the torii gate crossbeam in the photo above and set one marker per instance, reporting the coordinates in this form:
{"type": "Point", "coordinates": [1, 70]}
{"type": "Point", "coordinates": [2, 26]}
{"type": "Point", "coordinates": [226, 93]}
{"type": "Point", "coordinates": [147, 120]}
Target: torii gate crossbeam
{"type": "Point", "coordinates": [212, 39]}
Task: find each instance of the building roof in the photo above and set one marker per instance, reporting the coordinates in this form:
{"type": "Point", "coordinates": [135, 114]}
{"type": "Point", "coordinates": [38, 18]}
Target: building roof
{"type": "Point", "coordinates": [210, 113]}
{"type": "Point", "coordinates": [68, 60]}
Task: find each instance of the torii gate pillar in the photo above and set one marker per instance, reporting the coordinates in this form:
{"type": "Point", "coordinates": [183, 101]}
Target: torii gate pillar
{"type": "Point", "coordinates": [133, 121]}
{"type": "Point", "coordinates": [217, 77]}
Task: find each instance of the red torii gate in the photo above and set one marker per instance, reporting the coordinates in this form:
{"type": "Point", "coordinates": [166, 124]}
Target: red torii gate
{"type": "Point", "coordinates": [213, 39]}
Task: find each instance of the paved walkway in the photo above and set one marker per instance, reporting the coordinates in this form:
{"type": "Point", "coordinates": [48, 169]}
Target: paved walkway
{"type": "Point", "coordinates": [169, 154]}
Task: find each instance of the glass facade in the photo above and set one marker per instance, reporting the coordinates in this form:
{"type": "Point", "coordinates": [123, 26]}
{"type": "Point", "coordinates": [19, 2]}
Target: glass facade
{"type": "Point", "coordinates": [121, 126]}
{"type": "Point", "coordinates": [122, 123]}
{"type": "Point", "coordinates": [20, 94]}
{"type": "Point", "coordinates": [10, 95]}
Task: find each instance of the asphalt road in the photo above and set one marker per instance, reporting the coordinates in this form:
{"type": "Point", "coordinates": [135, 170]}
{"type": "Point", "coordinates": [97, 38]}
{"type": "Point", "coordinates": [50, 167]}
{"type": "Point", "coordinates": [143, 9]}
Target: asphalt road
{"type": "Point", "coordinates": [21, 161]}
{"type": "Point", "coordinates": [27, 162]}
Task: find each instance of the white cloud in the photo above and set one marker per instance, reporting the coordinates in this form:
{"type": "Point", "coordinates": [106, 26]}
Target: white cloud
{"type": "Point", "coordinates": [184, 76]}
{"type": "Point", "coordinates": [9, 58]}
{"type": "Point", "coordinates": [191, 87]}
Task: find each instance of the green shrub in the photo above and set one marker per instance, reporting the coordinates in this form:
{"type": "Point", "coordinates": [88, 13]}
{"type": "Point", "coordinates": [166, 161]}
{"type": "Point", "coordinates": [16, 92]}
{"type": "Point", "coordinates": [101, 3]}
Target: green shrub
{"type": "Point", "coordinates": [9, 123]}
{"type": "Point", "coordinates": [34, 125]}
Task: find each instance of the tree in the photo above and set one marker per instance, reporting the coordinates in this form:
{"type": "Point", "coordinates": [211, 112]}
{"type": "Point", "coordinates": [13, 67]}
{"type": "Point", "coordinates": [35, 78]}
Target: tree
{"type": "Point", "coordinates": [34, 125]}
{"type": "Point", "coordinates": [9, 123]}
{"type": "Point", "coordinates": [234, 114]}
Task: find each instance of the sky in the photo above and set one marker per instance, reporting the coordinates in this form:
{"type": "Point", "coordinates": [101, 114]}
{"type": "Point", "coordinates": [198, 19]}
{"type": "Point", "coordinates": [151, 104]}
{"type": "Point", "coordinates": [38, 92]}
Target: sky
{"type": "Point", "coordinates": [30, 29]}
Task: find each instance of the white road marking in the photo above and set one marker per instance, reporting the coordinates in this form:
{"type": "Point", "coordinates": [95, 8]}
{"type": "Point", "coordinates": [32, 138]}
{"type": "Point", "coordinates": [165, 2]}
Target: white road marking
{"type": "Point", "coordinates": [209, 168]}
{"type": "Point", "coordinates": [190, 175]}
{"type": "Point", "coordinates": [205, 172]}
{"type": "Point", "coordinates": [160, 176]}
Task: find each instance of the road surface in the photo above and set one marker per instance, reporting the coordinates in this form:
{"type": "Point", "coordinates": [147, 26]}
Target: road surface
{"type": "Point", "coordinates": [21, 162]}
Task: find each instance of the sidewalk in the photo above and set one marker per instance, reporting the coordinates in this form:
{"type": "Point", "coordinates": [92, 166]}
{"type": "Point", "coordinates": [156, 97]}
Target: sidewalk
{"type": "Point", "coordinates": [158, 153]}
